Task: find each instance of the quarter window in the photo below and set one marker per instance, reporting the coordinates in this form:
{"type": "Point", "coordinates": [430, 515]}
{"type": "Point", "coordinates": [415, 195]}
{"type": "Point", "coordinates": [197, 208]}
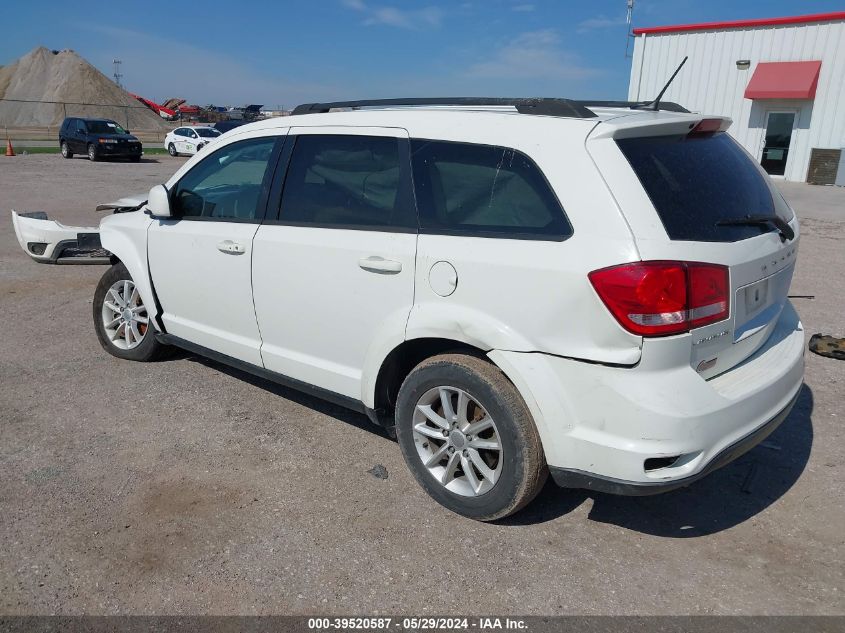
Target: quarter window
{"type": "Point", "coordinates": [484, 190]}
{"type": "Point", "coordinates": [346, 181]}
{"type": "Point", "coordinates": [227, 185]}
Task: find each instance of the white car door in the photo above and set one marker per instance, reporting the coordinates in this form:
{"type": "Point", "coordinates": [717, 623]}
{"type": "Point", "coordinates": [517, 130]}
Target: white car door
{"type": "Point", "coordinates": [200, 260]}
{"type": "Point", "coordinates": [333, 276]}
{"type": "Point", "coordinates": [179, 140]}
{"type": "Point", "coordinates": [191, 140]}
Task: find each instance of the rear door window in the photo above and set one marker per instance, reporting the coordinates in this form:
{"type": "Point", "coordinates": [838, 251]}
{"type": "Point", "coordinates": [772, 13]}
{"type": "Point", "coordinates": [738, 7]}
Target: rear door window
{"type": "Point", "coordinates": [347, 181]}
{"type": "Point", "coordinates": [484, 190]}
{"type": "Point", "coordinates": [697, 181]}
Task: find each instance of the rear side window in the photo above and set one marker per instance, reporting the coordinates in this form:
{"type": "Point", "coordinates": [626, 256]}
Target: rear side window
{"type": "Point", "coordinates": [347, 182]}
{"type": "Point", "coordinates": [697, 181]}
{"type": "Point", "coordinates": [484, 190]}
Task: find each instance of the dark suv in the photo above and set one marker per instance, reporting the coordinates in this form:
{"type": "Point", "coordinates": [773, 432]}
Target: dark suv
{"type": "Point", "coordinates": [99, 138]}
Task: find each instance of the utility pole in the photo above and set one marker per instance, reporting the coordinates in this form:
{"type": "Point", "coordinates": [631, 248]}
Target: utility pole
{"type": "Point", "coordinates": [629, 18]}
{"type": "Point", "coordinates": [117, 74]}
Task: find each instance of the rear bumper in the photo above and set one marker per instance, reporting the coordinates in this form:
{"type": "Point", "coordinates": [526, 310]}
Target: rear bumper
{"type": "Point", "coordinates": [659, 425]}
{"type": "Point", "coordinates": [570, 478]}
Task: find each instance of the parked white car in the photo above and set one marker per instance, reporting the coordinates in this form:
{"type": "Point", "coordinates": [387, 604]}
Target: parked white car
{"type": "Point", "coordinates": [596, 292]}
{"type": "Point", "coordinates": [189, 139]}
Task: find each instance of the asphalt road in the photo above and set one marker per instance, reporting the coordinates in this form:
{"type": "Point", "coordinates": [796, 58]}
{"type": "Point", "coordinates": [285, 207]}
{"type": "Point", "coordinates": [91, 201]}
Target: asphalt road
{"type": "Point", "coordinates": [186, 487]}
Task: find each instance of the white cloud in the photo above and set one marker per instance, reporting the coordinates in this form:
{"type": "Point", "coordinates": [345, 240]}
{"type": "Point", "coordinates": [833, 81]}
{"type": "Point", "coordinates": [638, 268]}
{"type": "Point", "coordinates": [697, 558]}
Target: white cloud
{"type": "Point", "coordinates": [600, 22]}
{"type": "Point", "coordinates": [526, 8]}
{"type": "Point", "coordinates": [413, 19]}
{"type": "Point", "coordinates": [533, 55]}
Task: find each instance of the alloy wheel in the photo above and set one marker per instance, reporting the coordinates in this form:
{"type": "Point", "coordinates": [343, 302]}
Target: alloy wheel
{"type": "Point", "coordinates": [125, 317]}
{"type": "Point", "coordinates": [457, 441]}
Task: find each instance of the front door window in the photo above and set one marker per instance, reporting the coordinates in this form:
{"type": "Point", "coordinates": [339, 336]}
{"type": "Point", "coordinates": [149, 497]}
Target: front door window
{"type": "Point", "coordinates": [778, 138]}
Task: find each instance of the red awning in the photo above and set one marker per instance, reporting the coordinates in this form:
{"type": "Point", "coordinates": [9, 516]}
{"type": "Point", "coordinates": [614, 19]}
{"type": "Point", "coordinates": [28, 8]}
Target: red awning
{"type": "Point", "coordinates": [784, 80]}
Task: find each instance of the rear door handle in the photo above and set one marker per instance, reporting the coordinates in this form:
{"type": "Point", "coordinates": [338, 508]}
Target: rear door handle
{"type": "Point", "coordinates": [376, 264]}
{"type": "Point", "coordinates": [228, 246]}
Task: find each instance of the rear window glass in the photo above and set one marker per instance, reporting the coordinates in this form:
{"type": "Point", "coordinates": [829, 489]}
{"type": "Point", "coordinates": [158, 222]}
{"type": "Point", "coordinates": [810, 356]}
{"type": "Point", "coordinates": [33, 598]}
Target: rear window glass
{"type": "Point", "coordinates": [696, 181]}
{"type": "Point", "coordinates": [484, 190]}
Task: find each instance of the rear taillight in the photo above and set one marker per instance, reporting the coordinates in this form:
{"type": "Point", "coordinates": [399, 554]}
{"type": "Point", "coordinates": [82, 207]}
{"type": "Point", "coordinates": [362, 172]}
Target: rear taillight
{"type": "Point", "coordinates": [661, 298]}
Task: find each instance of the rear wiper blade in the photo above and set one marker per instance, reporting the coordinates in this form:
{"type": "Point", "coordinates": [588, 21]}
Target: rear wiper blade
{"type": "Point", "coordinates": [782, 225]}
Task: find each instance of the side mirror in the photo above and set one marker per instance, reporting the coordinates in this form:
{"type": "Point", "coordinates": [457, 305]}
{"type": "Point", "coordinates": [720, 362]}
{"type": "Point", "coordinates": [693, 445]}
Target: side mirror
{"type": "Point", "coordinates": [158, 202]}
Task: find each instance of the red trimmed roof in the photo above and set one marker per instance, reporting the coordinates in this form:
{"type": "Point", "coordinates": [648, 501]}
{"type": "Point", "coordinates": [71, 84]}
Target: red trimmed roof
{"type": "Point", "coordinates": [739, 24]}
{"type": "Point", "coordinates": [784, 80]}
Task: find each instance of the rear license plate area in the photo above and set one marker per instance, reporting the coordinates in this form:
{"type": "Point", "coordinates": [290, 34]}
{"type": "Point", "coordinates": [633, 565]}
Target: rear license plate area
{"type": "Point", "coordinates": [756, 296]}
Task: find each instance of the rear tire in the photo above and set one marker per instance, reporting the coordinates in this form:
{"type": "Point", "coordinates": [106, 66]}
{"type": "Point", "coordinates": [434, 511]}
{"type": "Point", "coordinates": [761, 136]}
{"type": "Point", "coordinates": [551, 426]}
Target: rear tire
{"type": "Point", "coordinates": [482, 482]}
{"type": "Point", "coordinates": [92, 153]}
{"type": "Point", "coordinates": [171, 149]}
{"type": "Point", "coordinates": [118, 307]}
{"type": "Point", "coordinates": [66, 153]}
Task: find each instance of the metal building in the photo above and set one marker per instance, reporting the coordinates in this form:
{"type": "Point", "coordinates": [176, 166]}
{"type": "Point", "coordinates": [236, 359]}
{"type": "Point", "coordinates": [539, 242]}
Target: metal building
{"type": "Point", "coordinates": [781, 80]}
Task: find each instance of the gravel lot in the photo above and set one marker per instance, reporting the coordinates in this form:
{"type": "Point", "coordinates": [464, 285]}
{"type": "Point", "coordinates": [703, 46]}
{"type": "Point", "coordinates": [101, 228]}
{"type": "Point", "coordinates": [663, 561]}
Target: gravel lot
{"type": "Point", "coordinates": [187, 487]}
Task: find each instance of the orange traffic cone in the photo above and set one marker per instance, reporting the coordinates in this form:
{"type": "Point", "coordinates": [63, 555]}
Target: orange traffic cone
{"type": "Point", "coordinates": [9, 149]}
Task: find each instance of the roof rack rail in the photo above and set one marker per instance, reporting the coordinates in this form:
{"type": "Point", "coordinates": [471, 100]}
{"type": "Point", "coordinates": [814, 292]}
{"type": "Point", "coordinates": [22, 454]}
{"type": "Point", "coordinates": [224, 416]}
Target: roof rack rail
{"type": "Point", "coordinates": [668, 106]}
{"type": "Point", "coordinates": [539, 106]}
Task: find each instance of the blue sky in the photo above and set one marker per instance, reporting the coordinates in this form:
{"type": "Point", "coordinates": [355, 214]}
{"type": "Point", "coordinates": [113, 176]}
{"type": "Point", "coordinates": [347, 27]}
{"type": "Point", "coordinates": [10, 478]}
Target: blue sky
{"type": "Point", "coordinates": [286, 53]}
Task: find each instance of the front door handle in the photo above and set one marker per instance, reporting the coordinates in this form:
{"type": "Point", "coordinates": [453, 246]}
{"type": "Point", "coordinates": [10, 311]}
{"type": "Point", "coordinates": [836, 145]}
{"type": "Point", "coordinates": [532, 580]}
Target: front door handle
{"type": "Point", "coordinates": [376, 264]}
{"type": "Point", "coordinates": [228, 246]}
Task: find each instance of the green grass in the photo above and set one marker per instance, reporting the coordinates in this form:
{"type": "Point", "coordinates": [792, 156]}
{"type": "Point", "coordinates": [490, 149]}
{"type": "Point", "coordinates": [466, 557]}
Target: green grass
{"type": "Point", "coordinates": [148, 151]}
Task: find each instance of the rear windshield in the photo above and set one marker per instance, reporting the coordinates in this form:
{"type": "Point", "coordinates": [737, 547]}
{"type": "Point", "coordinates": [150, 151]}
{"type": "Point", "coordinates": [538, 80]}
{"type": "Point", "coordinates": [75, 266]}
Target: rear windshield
{"type": "Point", "coordinates": [696, 181]}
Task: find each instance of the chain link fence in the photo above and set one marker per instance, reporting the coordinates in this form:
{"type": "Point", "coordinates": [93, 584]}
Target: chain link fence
{"type": "Point", "coordinates": [17, 114]}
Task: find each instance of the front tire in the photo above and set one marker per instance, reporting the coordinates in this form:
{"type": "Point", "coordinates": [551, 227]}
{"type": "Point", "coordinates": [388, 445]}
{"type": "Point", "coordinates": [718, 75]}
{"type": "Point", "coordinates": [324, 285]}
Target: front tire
{"type": "Point", "coordinates": [121, 319]}
{"type": "Point", "coordinates": [468, 437]}
{"type": "Point", "coordinates": [93, 156]}
{"type": "Point", "coordinates": [66, 153]}
{"type": "Point", "coordinates": [171, 149]}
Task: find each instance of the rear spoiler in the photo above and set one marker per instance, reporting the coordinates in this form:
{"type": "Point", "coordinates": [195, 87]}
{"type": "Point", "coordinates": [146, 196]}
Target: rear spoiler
{"type": "Point", "coordinates": [649, 123]}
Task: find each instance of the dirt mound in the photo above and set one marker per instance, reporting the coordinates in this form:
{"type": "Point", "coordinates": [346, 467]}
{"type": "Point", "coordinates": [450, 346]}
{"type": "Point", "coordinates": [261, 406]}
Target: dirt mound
{"type": "Point", "coordinates": [64, 76]}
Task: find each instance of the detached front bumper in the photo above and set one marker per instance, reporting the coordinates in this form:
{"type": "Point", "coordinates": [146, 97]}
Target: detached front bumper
{"type": "Point", "coordinates": [49, 242]}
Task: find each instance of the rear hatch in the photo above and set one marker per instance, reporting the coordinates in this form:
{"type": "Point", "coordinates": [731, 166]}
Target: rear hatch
{"type": "Point", "coordinates": [690, 193]}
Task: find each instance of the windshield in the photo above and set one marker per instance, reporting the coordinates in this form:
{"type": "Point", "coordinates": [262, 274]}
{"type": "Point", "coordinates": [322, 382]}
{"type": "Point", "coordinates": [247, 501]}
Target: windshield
{"type": "Point", "coordinates": [697, 181]}
{"type": "Point", "coordinates": [207, 132]}
{"type": "Point", "coordinates": [104, 127]}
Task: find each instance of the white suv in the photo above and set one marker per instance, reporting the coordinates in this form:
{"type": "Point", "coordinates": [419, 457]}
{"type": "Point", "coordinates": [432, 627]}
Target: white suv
{"type": "Point", "coordinates": [513, 287]}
